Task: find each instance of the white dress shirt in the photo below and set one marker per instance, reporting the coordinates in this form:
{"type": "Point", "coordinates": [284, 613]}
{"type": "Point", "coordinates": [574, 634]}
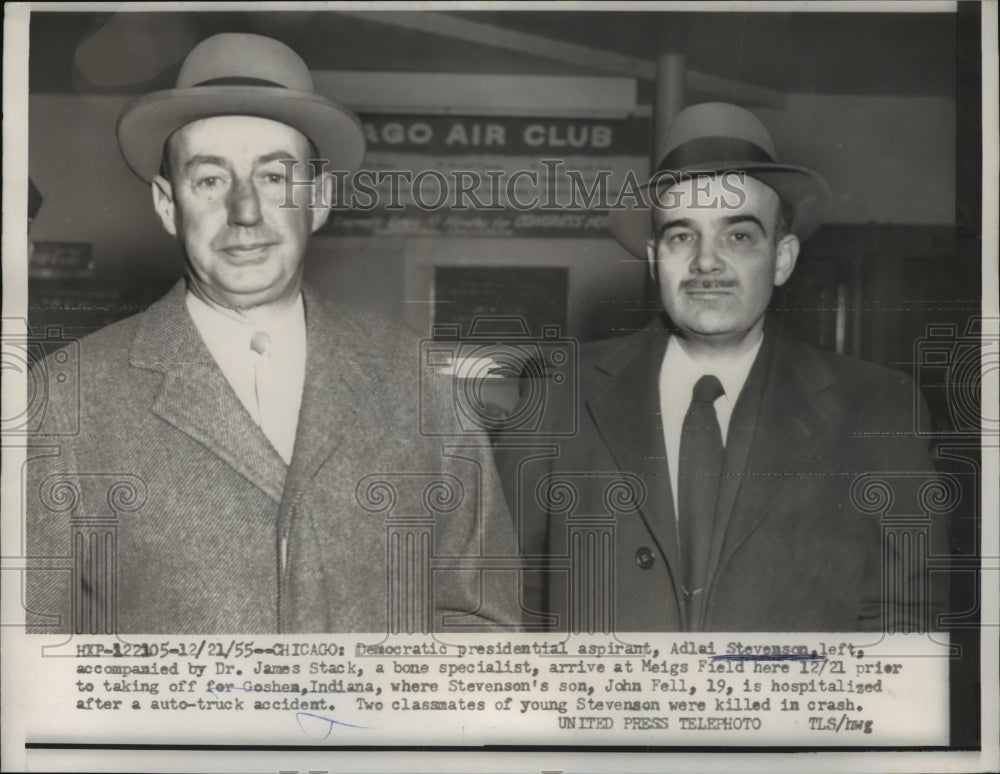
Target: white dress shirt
{"type": "Point", "coordinates": [678, 374]}
{"type": "Point", "coordinates": [267, 377]}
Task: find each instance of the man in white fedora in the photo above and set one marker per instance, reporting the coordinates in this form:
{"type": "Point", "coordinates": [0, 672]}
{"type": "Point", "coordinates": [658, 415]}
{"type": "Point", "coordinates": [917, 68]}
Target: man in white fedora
{"type": "Point", "coordinates": [250, 442]}
{"type": "Point", "coordinates": [753, 457]}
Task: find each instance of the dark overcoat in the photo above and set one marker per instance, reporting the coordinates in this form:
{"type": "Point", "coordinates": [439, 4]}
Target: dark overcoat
{"type": "Point", "coordinates": [828, 508]}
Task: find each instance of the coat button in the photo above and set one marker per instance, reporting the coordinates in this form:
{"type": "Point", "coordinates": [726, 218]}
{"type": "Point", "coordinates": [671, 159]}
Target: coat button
{"type": "Point", "coordinates": [644, 557]}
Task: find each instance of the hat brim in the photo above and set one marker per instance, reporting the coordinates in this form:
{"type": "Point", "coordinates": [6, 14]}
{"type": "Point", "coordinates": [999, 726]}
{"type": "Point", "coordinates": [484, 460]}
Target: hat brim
{"type": "Point", "coordinates": [802, 189]}
{"type": "Point", "coordinates": [146, 123]}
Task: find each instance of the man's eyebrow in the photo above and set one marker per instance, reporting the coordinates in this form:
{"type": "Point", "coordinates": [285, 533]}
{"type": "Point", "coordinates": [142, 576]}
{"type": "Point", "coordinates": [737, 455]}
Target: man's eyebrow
{"type": "Point", "coordinates": [275, 156]}
{"type": "Point", "coordinates": [677, 222]}
{"type": "Point", "coordinates": [219, 161]}
{"type": "Point", "coordinates": [733, 220]}
{"type": "Point", "coordinates": [205, 159]}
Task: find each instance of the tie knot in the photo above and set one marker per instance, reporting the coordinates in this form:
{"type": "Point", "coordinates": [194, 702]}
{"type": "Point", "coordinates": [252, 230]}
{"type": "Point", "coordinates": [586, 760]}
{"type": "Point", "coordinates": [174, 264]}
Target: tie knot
{"type": "Point", "coordinates": [260, 343]}
{"type": "Point", "coordinates": [707, 389]}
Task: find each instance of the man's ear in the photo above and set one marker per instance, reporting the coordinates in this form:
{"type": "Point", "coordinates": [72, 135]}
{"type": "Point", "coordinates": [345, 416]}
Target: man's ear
{"type": "Point", "coordinates": [319, 209]}
{"type": "Point", "coordinates": [787, 255]}
{"type": "Point", "coordinates": [163, 201]}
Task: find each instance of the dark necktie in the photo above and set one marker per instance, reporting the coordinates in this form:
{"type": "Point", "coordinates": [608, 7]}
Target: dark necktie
{"type": "Point", "coordinates": [698, 472]}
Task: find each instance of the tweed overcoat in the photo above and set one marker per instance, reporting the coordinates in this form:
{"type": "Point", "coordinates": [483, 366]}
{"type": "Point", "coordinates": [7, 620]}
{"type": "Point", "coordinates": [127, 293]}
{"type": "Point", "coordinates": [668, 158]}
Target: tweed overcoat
{"type": "Point", "coordinates": [212, 532]}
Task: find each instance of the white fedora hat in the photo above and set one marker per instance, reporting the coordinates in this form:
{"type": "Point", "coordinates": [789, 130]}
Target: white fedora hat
{"type": "Point", "coordinates": [239, 74]}
{"type": "Point", "coordinates": [716, 137]}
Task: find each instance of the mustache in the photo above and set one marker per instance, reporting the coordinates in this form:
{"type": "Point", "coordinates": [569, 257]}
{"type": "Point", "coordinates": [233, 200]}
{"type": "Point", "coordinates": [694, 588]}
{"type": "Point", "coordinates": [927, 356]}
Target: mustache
{"type": "Point", "coordinates": [245, 241]}
{"type": "Point", "coordinates": [708, 284]}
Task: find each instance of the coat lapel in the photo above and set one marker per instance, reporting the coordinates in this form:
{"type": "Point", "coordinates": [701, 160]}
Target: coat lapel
{"type": "Point", "coordinates": [626, 410]}
{"type": "Point", "coordinates": [332, 404]}
{"type": "Point", "coordinates": [739, 439]}
{"type": "Point", "coordinates": [196, 398]}
{"type": "Point", "coordinates": [331, 399]}
{"type": "Point", "coordinates": [791, 422]}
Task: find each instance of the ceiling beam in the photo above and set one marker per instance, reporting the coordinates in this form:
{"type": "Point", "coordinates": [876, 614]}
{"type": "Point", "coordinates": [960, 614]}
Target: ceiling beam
{"type": "Point", "coordinates": [522, 42]}
{"type": "Point", "coordinates": [731, 90]}
{"type": "Point", "coordinates": [569, 53]}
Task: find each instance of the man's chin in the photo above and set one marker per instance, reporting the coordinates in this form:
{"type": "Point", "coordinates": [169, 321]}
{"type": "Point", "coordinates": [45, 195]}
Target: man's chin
{"type": "Point", "coordinates": [253, 296]}
{"type": "Point", "coordinates": [720, 337]}
{"type": "Point", "coordinates": [713, 337]}
{"type": "Point", "coordinates": [708, 326]}
{"type": "Point", "coordinates": [245, 302]}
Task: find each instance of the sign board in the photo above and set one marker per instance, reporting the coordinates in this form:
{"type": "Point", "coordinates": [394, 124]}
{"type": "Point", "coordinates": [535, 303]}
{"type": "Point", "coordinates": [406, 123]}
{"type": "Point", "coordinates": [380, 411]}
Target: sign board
{"type": "Point", "coordinates": [489, 176]}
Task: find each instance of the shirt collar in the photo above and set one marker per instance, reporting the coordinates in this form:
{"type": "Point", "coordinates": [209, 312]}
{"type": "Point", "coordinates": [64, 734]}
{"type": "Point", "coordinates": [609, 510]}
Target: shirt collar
{"type": "Point", "coordinates": [281, 323]}
{"type": "Point", "coordinates": [686, 370]}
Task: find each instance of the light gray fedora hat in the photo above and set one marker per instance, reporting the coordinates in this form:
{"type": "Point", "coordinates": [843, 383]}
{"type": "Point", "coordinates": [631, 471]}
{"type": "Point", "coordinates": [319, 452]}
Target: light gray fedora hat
{"type": "Point", "coordinates": [716, 137]}
{"type": "Point", "coordinates": [240, 74]}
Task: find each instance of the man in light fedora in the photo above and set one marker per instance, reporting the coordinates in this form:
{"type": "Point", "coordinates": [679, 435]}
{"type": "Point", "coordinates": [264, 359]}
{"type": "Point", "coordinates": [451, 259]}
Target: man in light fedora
{"type": "Point", "coordinates": [748, 451]}
{"type": "Point", "coordinates": [235, 435]}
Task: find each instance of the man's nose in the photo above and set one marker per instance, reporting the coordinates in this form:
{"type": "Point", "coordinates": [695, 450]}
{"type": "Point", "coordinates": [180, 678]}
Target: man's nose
{"type": "Point", "coordinates": [244, 204]}
{"type": "Point", "coordinates": [706, 257]}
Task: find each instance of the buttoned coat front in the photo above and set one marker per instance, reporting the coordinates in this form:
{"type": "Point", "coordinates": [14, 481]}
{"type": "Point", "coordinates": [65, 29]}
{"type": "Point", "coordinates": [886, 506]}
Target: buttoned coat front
{"type": "Point", "coordinates": [212, 532]}
{"type": "Point", "coordinates": [821, 463]}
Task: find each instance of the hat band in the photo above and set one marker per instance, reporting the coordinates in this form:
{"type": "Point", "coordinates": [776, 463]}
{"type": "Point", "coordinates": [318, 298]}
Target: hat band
{"type": "Point", "coordinates": [238, 81]}
{"type": "Point", "coordinates": [713, 149]}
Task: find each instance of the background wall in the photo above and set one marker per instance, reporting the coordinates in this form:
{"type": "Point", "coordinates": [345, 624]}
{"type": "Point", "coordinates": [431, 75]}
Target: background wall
{"type": "Point", "coordinates": [888, 159]}
{"type": "Point", "coordinates": [90, 194]}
